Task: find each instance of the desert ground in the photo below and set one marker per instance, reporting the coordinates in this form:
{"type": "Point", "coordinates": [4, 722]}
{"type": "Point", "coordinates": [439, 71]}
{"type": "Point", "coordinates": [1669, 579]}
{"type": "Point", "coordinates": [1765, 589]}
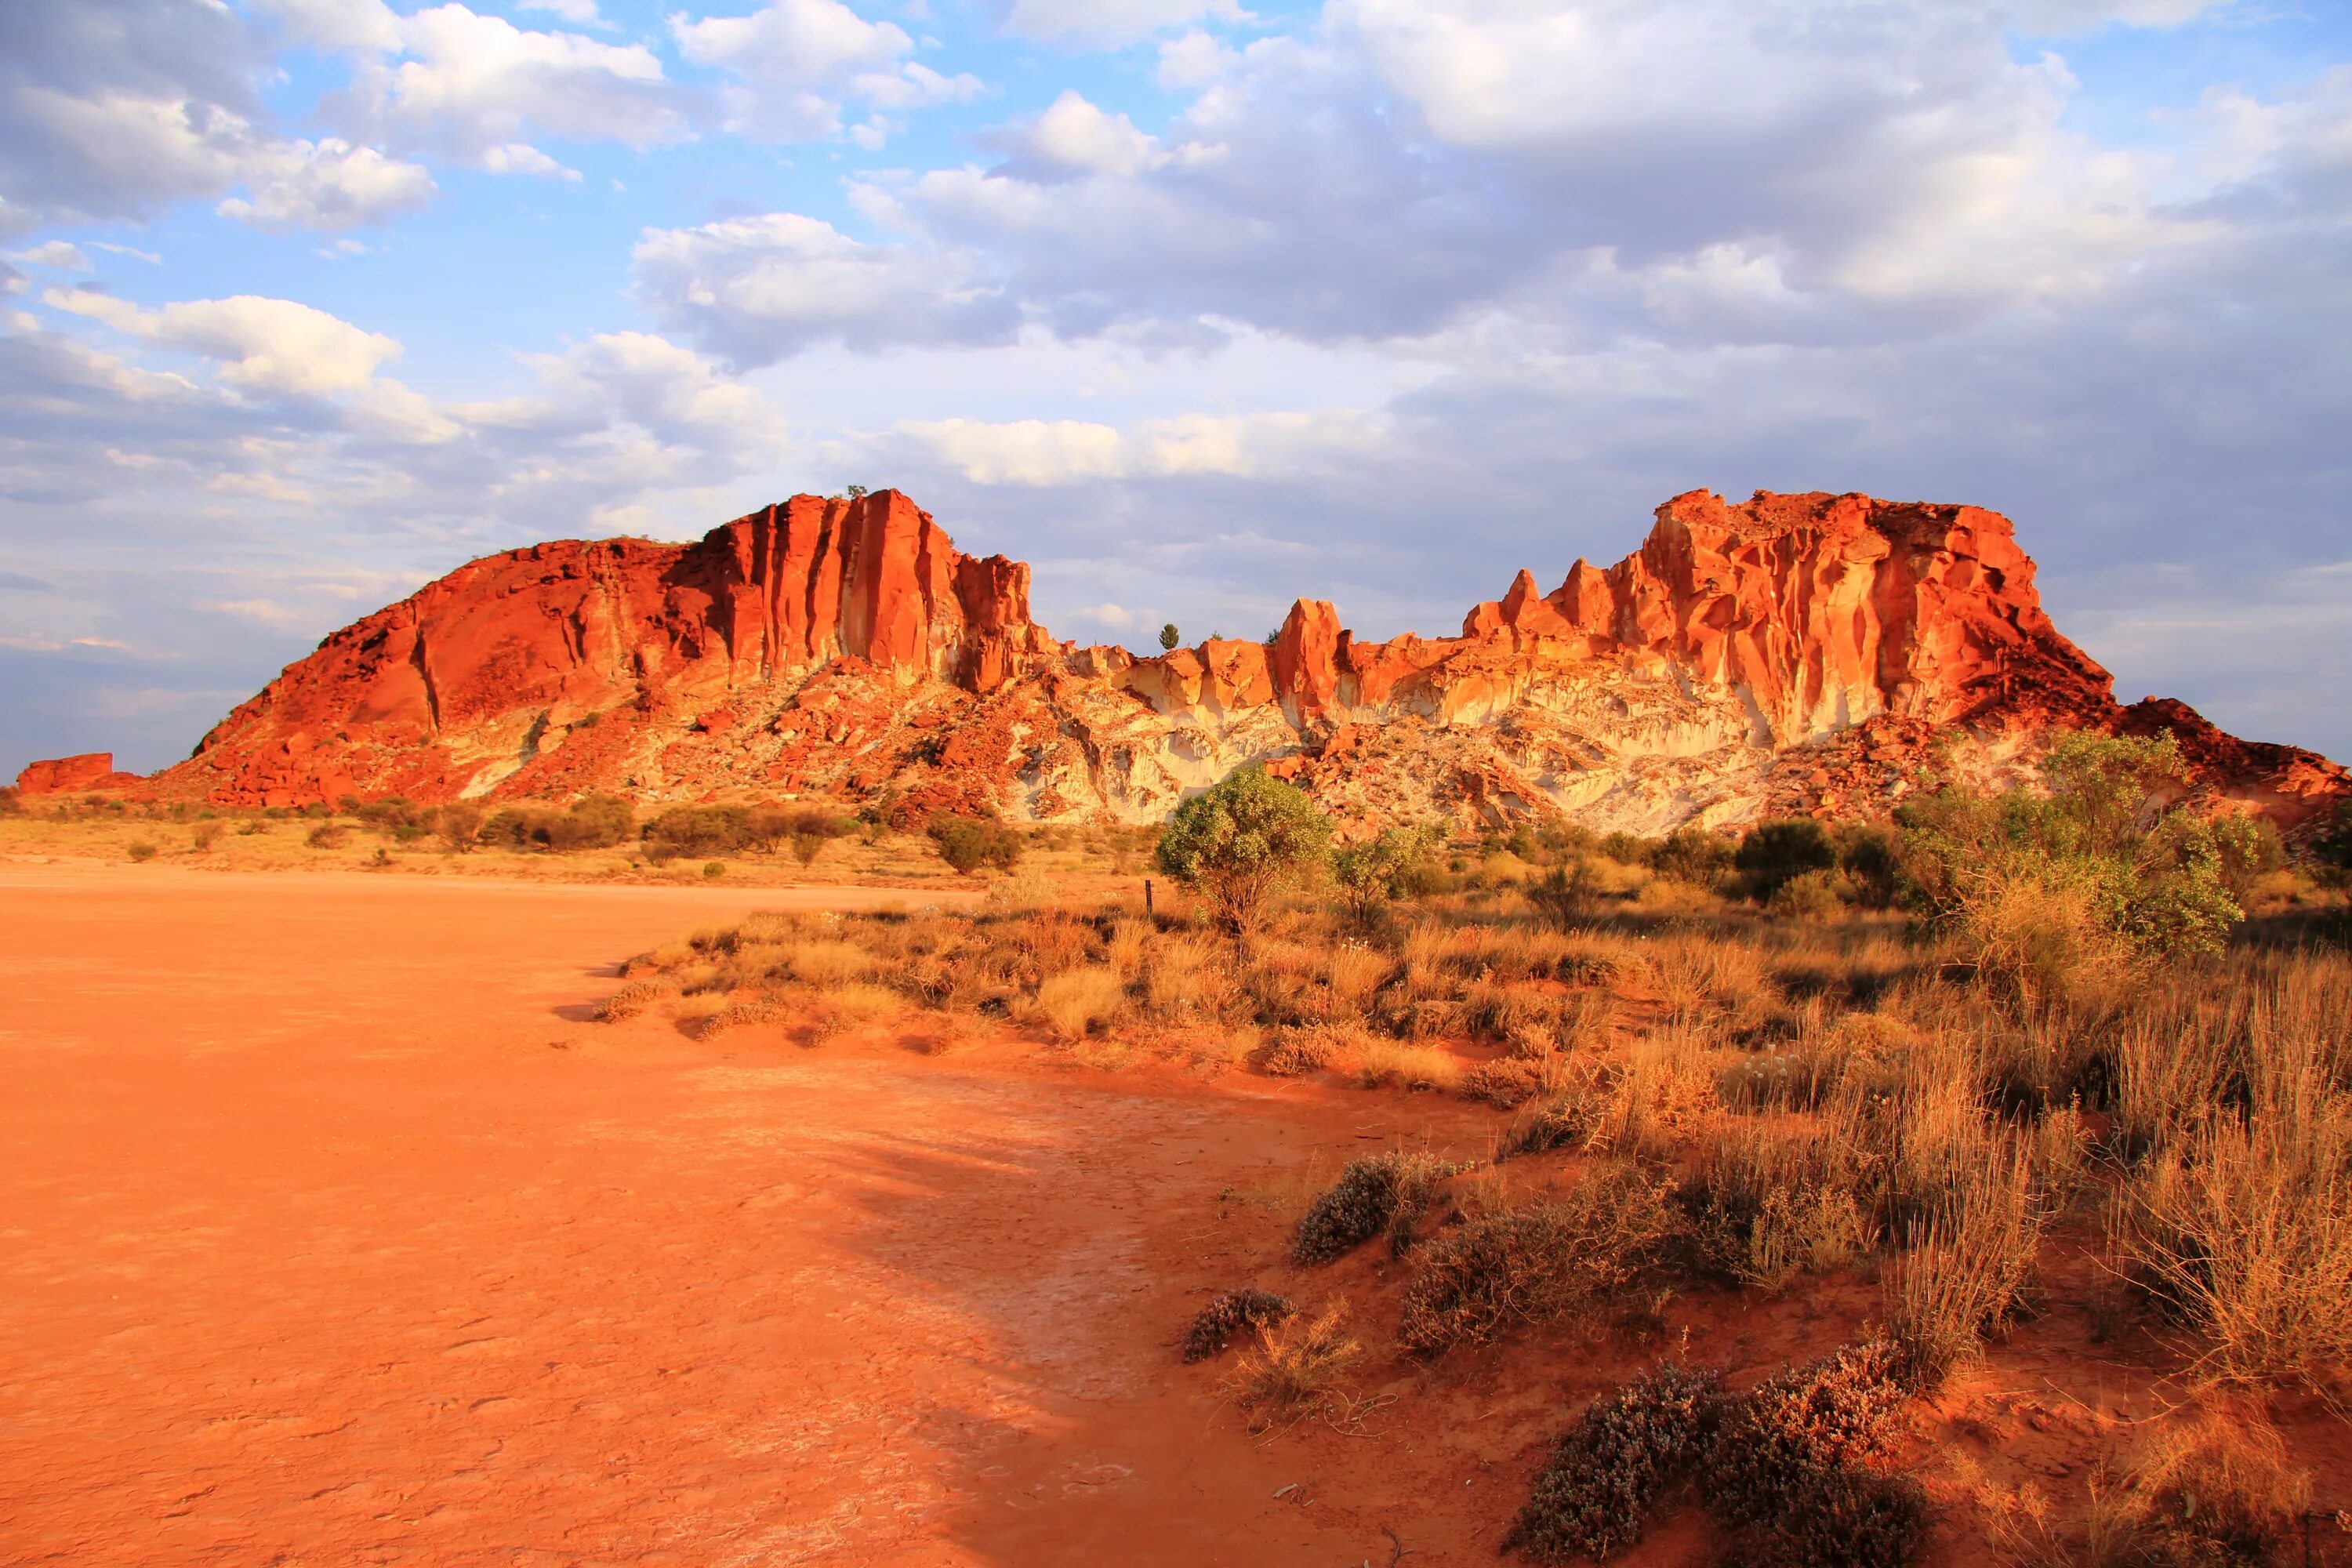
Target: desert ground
{"type": "Point", "coordinates": [335, 1234]}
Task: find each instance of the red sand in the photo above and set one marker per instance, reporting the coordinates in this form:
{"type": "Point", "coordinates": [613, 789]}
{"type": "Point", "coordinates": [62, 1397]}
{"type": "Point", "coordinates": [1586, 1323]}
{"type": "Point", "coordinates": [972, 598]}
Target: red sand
{"type": "Point", "coordinates": [333, 1236]}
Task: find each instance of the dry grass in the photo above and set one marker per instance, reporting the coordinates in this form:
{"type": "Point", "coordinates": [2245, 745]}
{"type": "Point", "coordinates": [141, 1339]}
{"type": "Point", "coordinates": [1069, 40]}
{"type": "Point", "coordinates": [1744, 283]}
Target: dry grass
{"type": "Point", "coordinates": [1295, 1368]}
{"type": "Point", "coordinates": [632, 999]}
{"type": "Point", "coordinates": [1077, 1002]}
{"type": "Point", "coordinates": [1385, 1064]}
{"type": "Point", "coordinates": [1965, 1274]}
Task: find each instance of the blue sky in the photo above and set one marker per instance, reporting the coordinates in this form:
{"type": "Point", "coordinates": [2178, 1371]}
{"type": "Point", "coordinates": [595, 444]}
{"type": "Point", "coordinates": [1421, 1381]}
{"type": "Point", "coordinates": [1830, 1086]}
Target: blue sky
{"type": "Point", "coordinates": [1198, 307]}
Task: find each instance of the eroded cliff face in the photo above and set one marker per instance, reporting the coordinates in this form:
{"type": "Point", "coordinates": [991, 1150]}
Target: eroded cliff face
{"type": "Point", "coordinates": [1790, 653]}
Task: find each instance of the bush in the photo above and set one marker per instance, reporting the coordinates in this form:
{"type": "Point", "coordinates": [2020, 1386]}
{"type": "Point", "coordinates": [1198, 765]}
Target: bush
{"type": "Point", "coordinates": [712, 870]}
{"type": "Point", "coordinates": [12, 801]}
{"type": "Point", "coordinates": [1844, 1407]}
{"type": "Point", "coordinates": [204, 837]}
{"type": "Point", "coordinates": [969, 843]}
{"type": "Point", "coordinates": [459, 823]}
{"type": "Point", "coordinates": [1565, 895]}
{"type": "Point", "coordinates": [1535, 1262]}
{"type": "Point", "coordinates": [327, 836]}
{"type": "Point", "coordinates": [1809, 896]}
{"type": "Point", "coordinates": [632, 999]}
{"type": "Point", "coordinates": [1692, 854]}
{"type": "Point", "coordinates": [1377, 1193]}
{"type": "Point", "coordinates": [1776, 853]}
{"type": "Point", "coordinates": [142, 851]}
{"type": "Point", "coordinates": [1610, 1471]}
{"type": "Point", "coordinates": [1243, 840]}
{"type": "Point", "coordinates": [1230, 1314]}
{"type": "Point", "coordinates": [593, 822]}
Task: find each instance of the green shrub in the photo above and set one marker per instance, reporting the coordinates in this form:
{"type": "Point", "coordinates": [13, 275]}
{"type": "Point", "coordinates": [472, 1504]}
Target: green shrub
{"type": "Point", "coordinates": [1230, 1314]}
{"type": "Point", "coordinates": [1565, 895]}
{"type": "Point", "coordinates": [970, 842]}
{"type": "Point", "coordinates": [712, 870]}
{"type": "Point", "coordinates": [1612, 1468]}
{"type": "Point", "coordinates": [1692, 854]}
{"type": "Point", "coordinates": [142, 851]}
{"type": "Point", "coordinates": [1809, 896]}
{"type": "Point", "coordinates": [1243, 840]}
{"type": "Point", "coordinates": [1393, 866]}
{"type": "Point", "coordinates": [1378, 1193]}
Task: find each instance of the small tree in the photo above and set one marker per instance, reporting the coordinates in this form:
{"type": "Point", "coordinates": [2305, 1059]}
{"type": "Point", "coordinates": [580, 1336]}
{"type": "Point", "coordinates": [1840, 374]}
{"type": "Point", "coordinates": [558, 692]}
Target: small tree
{"type": "Point", "coordinates": [858, 492]}
{"type": "Point", "coordinates": [969, 843]}
{"type": "Point", "coordinates": [460, 823]}
{"type": "Point", "coordinates": [1781, 851]}
{"type": "Point", "coordinates": [1244, 840]}
{"type": "Point", "coordinates": [1170, 636]}
{"type": "Point", "coordinates": [1370, 874]}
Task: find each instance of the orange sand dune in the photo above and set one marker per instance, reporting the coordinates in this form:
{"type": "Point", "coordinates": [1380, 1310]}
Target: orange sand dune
{"type": "Point", "coordinates": [333, 1236]}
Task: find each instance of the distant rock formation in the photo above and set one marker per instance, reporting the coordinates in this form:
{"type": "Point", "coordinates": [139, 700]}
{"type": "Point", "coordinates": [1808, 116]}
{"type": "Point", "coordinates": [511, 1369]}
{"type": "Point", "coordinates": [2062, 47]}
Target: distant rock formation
{"type": "Point", "coordinates": [91, 770]}
{"type": "Point", "coordinates": [1792, 653]}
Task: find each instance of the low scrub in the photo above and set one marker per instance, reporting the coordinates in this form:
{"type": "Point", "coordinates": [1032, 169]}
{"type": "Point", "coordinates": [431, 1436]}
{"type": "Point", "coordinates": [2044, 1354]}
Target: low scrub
{"type": "Point", "coordinates": [1538, 1261]}
{"type": "Point", "coordinates": [1379, 1195]}
{"type": "Point", "coordinates": [1611, 1471]}
{"type": "Point", "coordinates": [1231, 1314]}
{"type": "Point", "coordinates": [1965, 1276]}
{"type": "Point", "coordinates": [632, 999]}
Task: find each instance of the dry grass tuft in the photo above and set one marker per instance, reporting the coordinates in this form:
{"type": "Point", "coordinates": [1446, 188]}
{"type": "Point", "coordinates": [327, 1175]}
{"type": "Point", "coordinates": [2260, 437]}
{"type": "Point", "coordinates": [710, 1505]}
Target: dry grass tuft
{"type": "Point", "coordinates": [1295, 1369]}
{"type": "Point", "coordinates": [1966, 1275]}
{"type": "Point", "coordinates": [1077, 1002]}
{"type": "Point", "coordinates": [1385, 1064]}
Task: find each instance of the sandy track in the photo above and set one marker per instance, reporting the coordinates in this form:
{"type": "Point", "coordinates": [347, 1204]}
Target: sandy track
{"type": "Point", "coordinates": [330, 1236]}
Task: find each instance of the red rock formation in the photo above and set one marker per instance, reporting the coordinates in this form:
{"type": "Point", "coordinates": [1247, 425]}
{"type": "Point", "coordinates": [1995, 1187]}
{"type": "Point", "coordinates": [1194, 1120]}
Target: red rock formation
{"type": "Point", "coordinates": [1796, 652]}
{"type": "Point", "coordinates": [75, 775]}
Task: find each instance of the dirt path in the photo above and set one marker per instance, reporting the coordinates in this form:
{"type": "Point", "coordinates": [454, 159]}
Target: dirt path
{"type": "Point", "coordinates": [330, 1236]}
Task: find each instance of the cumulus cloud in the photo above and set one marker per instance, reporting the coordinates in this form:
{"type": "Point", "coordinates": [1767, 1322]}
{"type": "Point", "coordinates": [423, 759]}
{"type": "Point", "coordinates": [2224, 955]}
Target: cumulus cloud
{"type": "Point", "coordinates": [757, 290]}
{"type": "Point", "coordinates": [60, 255]}
{"type": "Point", "coordinates": [1041, 452]}
{"type": "Point", "coordinates": [1108, 23]}
{"type": "Point", "coordinates": [798, 61]}
{"type": "Point", "coordinates": [473, 87]}
{"type": "Point", "coordinates": [327, 184]}
{"type": "Point", "coordinates": [1075, 138]}
{"type": "Point", "coordinates": [260, 344]}
{"type": "Point", "coordinates": [116, 109]}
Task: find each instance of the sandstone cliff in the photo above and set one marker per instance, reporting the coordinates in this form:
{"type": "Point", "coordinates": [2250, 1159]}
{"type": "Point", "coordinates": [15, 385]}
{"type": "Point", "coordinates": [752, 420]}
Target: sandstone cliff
{"type": "Point", "coordinates": [1792, 653]}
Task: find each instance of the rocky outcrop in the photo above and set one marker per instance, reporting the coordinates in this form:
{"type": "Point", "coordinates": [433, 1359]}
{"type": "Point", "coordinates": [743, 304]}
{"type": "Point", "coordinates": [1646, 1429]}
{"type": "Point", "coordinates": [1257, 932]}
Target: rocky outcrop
{"type": "Point", "coordinates": [1791, 652]}
{"type": "Point", "coordinates": [90, 771]}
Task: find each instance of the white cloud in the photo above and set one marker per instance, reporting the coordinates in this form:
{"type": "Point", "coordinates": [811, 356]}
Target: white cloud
{"type": "Point", "coordinates": [1106, 24]}
{"type": "Point", "coordinates": [759, 289]}
{"type": "Point", "coordinates": [327, 184]}
{"type": "Point", "coordinates": [1073, 137]}
{"type": "Point", "coordinates": [61, 254]}
{"type": "Point", "coordinates": [1106, 614]}
{"type": "Point", "coordinates": [261, 344]}
{"type": "Point", "coordinates": [149, 257]}
{"type": "Point", "coordinates": [363, 26]}
{"type": "Point", "coordinates": [799, 61]}
{"type": "Point", "coordinates": [579, 12]}
{"type": "Point", "coordinates": [1041, 452]}
{"type": "Point", "coordinates": [521, 158]}
{"type": "Point", "coordinates": [470, 87]}
{"type": "Point", "coordinates": [115, 111]}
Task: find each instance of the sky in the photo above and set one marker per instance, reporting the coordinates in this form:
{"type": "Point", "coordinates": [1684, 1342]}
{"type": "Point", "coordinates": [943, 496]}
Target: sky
{"type": "Point", "coordinates": [1200, 307]}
